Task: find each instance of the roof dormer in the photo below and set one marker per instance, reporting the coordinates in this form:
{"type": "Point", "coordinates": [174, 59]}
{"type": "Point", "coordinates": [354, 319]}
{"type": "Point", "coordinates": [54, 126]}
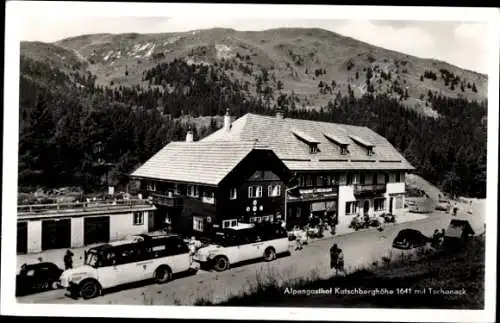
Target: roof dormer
{"type": "Point", "coordinates": [368, 145]}
{"type": "Point", "coordinates": [309, 140]}
{"type": "Point", "coordinates": [344, 145]}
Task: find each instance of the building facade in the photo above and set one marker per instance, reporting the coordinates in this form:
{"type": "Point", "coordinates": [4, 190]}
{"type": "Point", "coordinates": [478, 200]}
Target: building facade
{"type": "Point", "coordinates": [78, 226]}
{"type": "Point", "coordinates": [199, 186]}
{"type": "Point", "coordinates": [340, 171]}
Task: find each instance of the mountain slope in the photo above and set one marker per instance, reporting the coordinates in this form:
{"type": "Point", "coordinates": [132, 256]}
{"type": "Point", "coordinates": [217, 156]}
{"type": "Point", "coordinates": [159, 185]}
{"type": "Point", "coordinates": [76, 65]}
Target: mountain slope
{"type": "Point", "coordinates": [314, 64]}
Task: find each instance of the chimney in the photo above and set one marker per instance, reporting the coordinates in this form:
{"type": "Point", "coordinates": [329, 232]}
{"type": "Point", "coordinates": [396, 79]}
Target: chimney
{"type": "Point", "coordinates": [227, 121]}
{"type": "Point", "coordinates": [189, 136]}
{"type": "Point", "coordinates": [279, 113]}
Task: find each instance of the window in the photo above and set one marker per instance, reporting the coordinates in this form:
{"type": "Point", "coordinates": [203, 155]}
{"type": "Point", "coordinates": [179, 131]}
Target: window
{"type": "Point", "coordinates": [344, 150]}
{"type": "Point", "coordinates": [229, 223]}
{"type": "Point", "coordinates": [198, 223]}
{"type": "Point", "coordinates": [309, 180]}
{"type": "Point", "coordinates": [398, 177]}
{"type": "Point", "coordinates": [176, 189]}
{"type": "Point", "coordinates": [349, 179]}
{"type": "Point", "coordinates": [301, 181]}
{"type": "Point", "coordinates": [151, 187]}
{"type": "Point", "coordinates": [313, 148]}
{"type": "Point", "coordinates": [233, 194]}
{"type": "Point", "coordinates": [335, 179]}
{"type": "Point", "coordinates": [379, 204]}
{"type": "Point", "coordinates": [375, 178]}
{"type": "Point", "coordinates": [254, 191]}
{"type": "Point", "coordinates": [386, 178]}
{"type": "Point", "coordinates": [193, 191]}
{"type": "Point", "coordinates": [351, 208]}
{"type": "Point", "coordinates": [208, 197]}
{"type": "Point", "coordinates": [138, 218]}
{"type": "Point", "coordinates": [274, 190]}
{"type": "Point", "coordinates": [370, 151]}
{"type": "Point", "coordinates": [255, 219]}
{"type": "Point", "coordinates": [362, 179]}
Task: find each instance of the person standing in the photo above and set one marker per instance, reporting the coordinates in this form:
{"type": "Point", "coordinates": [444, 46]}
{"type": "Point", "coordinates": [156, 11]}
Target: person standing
{"type": "Point", "coordinates": [334, 256]}
{"type": "Point", "coordinates": [68, 260]}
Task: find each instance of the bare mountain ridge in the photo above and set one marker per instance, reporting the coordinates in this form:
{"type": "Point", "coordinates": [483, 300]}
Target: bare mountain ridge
{"type": "Point", "coordinates": [314, 64]}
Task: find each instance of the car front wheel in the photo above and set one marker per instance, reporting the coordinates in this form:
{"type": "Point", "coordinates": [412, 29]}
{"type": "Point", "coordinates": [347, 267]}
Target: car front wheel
{"type": "Point", "coordinates": [89, 289]}
{"type": "Point", "coordinates": [221, 263]}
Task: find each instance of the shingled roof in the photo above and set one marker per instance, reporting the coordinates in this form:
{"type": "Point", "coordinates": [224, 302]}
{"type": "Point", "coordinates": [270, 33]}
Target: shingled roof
{"type": "Point", "coordinates": [280, 135]}
{"type": "Point", "coordinates": [201, 162]}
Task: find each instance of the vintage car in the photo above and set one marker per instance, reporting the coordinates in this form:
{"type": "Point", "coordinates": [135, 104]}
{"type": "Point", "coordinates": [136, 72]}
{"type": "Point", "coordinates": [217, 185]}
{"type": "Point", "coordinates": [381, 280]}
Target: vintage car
{"type": "Point", "coordinates": [409, 239]}
{"type": "Point", "coordinates": [39, 277]}
{"type": "Point", "coordinates": [242, 243]}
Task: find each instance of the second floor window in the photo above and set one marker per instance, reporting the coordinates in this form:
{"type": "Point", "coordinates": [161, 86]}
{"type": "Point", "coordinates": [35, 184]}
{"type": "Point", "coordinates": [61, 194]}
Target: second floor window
{"type": "Point", "coordinates": [351, 208]}
{"type": "Point", "coordinates": [193, 191]}
{"type": "Point", "coordinates": [362, 179]}
{"type": "Point", "coordinates": [375, 179]}
{"type": "Point", "coordinates": [233, 194]}
{"type": "Point", "coordinates": [274, 190]}
{"type": "Point", "coordinates": [151, 187]}
{"type": "Point", "coordinates": [208, 197]}
{"type": "Point", "coordinates": [398, 177]}
{"type": "Point", "coordinates": [309, 180]}
{"type": "Point", "coordinates": [254, 191]}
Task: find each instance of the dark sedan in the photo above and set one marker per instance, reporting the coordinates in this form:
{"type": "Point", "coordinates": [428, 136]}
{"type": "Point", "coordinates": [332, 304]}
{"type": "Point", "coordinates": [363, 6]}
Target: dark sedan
{"type": "Point", "coordinates": [37, 278]}
{"type": "Point", "coordinates": [409, 239]}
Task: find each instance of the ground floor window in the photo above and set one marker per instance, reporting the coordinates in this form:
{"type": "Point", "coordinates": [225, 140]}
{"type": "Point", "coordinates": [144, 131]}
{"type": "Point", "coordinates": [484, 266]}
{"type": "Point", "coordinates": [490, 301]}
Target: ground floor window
{"type": "Point", "coordinates": [351, 208]}
{"type": "Point", "coordinates": [229, 223]}
{"type": "Point", "coordinates": [379, 204]}
{"type": "Point", "coordinates": [198, 223]}
{"type": "Point", "coordinates": [138, 218]}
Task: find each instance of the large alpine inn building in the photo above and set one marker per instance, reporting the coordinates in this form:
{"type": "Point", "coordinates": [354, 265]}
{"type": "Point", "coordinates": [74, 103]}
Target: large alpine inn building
{"type": "Point", "coordinates": [340, 170]}
{"type": "Point", "coordinates": [261, 167]}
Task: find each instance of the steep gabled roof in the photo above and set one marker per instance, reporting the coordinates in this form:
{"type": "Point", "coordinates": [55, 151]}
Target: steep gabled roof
{"type": "Point", "coordinates": [200, 162]}
{"type": "Point", "coordinates": [278, 134]}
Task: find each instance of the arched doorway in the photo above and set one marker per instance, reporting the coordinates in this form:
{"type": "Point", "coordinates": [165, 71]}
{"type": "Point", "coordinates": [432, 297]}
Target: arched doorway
{"type": "Point", "coordinates": [366, 207]}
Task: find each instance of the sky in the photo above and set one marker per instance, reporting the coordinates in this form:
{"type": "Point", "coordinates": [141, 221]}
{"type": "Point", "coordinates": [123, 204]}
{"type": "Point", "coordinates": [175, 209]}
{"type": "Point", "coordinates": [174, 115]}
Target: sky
{"type": "Point", "coordinates": [461, 43]}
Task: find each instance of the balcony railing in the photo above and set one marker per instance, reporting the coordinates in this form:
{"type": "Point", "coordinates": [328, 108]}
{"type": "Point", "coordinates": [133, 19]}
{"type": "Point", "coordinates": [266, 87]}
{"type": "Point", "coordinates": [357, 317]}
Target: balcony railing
{"type": "Point", "coordinates": [165, 199]}
{"type": "Point", "coordinates": [369, 188]}
{"type": "Point", "coordinates": [58, 208]}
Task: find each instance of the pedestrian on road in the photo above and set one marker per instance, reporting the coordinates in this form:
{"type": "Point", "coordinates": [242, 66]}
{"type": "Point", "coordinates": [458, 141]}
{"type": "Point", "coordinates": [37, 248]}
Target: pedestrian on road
{"type": "Point", "coordinates": [336, 259]}
{"type": "Point", "coordinates": [68, 260]}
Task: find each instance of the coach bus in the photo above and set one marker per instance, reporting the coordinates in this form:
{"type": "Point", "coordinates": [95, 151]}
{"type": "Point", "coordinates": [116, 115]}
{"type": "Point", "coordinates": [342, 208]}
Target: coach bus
{"type": "Point", "coordinates": [242, 243]}
{"type": "Point", "coordinates": [138, 258]}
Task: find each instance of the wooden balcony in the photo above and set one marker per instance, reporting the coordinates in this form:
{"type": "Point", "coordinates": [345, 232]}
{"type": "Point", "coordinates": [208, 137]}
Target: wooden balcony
{"type": "Point", "coordinates": [360, 189]}
{"type": "Point", "coordinates": [165, 199]}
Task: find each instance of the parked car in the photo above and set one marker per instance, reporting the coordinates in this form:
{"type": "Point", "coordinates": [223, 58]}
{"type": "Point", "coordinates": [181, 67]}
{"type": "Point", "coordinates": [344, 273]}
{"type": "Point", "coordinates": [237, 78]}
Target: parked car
{"type": "Point", "coordinates": [39, 277]}
{"type": "Point", "coordinates": [409, 239]}
{"type": "Point", "coordinates": [443, 205]}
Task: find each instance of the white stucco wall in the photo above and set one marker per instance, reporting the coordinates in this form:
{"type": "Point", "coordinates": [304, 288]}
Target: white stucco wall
{"type": "Point", "coordinates": [122, 225]}
{"type": "Point", "coordinates": [34, 236]}
{"type": "Point", "coordinates": [395, 188]}
{"type": "Point", "coordinates": [345, 195]}
{"type": "Point", "coordinates": [77, 229]}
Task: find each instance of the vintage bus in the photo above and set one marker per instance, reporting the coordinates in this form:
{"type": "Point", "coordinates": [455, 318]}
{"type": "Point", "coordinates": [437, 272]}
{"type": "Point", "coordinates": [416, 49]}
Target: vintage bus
{"type": "Point", "coordinates": [242, 243]}
{"type": "Point", "coordinates": [138, 258]}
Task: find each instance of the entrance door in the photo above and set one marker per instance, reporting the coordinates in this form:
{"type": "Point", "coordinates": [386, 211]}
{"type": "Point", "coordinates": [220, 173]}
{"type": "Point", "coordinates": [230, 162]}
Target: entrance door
{"type": "Point", "coordinates": [366, 207]}
{"type": "Point", "coordinates": [56, 234]}
{"type": "Point", "coordinates": [96, 229]}
{"type": "Point", "coordinates": [22, 237]}
{"type": "Point", "coordinates": [391, 202]}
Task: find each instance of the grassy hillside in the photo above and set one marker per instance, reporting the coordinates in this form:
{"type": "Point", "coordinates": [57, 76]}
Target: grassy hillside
{"type": "Point", "coordinates": [409, 278]}
{"type": "Point", "coordinates": [297, 60]}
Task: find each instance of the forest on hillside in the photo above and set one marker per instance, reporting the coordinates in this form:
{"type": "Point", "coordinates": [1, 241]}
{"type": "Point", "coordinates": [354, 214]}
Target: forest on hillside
{"type": "Point", "coordinates": [70, 127]}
